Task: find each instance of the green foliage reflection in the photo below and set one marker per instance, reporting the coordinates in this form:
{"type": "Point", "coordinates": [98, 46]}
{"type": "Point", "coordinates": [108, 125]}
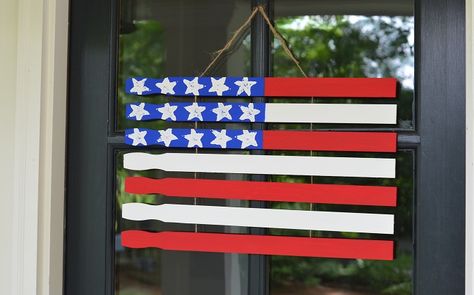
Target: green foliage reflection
{"type": "Point", "coordinates": [350, 46]}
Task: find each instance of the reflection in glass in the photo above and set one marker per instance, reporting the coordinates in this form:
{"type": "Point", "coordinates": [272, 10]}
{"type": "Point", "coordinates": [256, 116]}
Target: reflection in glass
{"type": "Point", "coordinates": [154, 271]}
{"type": "Point", "coordinates": [291, 275]}
{"type": "Point", "coordinates": [332, 45]}
{"type": "Point", "coordinates": [174, 38]}
{"type": "Point", "coordinates": [352, 46]}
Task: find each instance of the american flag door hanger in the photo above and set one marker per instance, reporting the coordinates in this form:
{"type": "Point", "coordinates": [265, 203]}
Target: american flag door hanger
{"type": "Point", "coordinates": [247, 139]}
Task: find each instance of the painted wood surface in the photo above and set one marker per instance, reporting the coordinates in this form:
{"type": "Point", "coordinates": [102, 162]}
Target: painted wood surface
{"type": "Point", "coordinates": [258, 217]}
{"type": "Point", "coordinates": [269, 86]}
{"type": "Point", "coordinates": [265, 191]}
{"type": "Point", "coordinates": [264, 139]}
{"type": "Point", "coordinates": [264, 112]}
{"type": "Point", "coordinates": [262, 164]}
{"type": "Point", "coordinates": [260, 244]}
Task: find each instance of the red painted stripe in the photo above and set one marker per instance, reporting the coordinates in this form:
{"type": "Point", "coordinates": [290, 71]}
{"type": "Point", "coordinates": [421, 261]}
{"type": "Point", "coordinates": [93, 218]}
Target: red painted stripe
{"type": "Point", "coordinates": [265, 191]}
{"type": "Point", "coordinates": [332, 87]}
{"type": "Point", "coordinates": [263, 245]}
{"type": "Point", "coordinates": [330, 141]}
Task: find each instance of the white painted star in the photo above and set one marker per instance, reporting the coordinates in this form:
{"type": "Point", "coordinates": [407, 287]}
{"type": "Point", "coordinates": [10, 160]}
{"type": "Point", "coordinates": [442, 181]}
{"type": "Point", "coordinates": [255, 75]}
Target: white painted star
{"type": "Point", "coordinates": [138, 111]}
{"type": "Point", "coordinates": [244, 86]}
{"type": "Point", "coordinates": [249, 113]}
{"type": "Point", "coordinates": [138, 137]}
{"type": "Point", "coordinates": [194, 138]}
{"type": "Point", "coordinates": [167, 112]}
{"type": "Point", "coordinates": [221, 138]}
{"type": "Point", "coordinates": [166, 136]}
{"type": "Point", "coordinates": [248, 139]}
{"type": "Point", "coordinates": [218, 86]}
{"type": "Point", "coordinates": [195, 111]}
{"type": "Point", "coordinates": [193, 86]}
{"type": "Point", "coordinates": [139, 86]}
{"type": "Point", "coordinates": [166, 86]}
{"type": "Point", "coordinates": [222, 111]}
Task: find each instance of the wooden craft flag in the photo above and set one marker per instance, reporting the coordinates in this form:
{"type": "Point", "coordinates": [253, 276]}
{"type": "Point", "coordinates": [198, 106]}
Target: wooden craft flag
{"type": "Point", "coordinates": [363, 166]}
{"type": "Point", "coordinates": [268, 86]}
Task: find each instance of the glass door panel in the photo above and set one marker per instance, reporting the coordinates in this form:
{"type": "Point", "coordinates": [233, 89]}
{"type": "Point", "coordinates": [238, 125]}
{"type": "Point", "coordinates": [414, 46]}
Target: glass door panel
{"type": "Point", "coordinates": [174, 38]}
{"type": "Point", "coordinates": [350, 40]}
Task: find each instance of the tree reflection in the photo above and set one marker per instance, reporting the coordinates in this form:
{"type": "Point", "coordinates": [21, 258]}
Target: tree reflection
{"type": "Point", "coordinates": [350, 46]}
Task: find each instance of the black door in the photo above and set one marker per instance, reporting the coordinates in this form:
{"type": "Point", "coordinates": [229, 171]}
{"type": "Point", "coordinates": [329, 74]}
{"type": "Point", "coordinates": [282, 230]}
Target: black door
{"type": "Point", "coordinates": [421, 43]}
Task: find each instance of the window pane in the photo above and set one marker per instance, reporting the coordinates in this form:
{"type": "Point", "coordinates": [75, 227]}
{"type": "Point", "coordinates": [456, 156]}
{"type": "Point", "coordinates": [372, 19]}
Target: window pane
{"type": "Point", "coordinates": [155, 271]}
{"type": "Point", "coordinates": [175, 38]}
{"type": "Point", "coordinates": [349, 46]}
{"type": "Point", "coordinates": [291, 276]}
{"type": "Point", "coordinates": [349, 39]}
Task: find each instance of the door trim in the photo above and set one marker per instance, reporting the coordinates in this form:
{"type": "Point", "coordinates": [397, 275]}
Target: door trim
{"type": "Point", "coordinates": [440, 186]}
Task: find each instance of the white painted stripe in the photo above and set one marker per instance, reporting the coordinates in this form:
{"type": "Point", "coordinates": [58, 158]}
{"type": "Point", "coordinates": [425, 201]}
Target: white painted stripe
{"type": "Point", "coordinates": [267, 218]}
{"type": "Point", "coordinates": [263, 164]}
{"type": "Point", "coordinates": [331, 113]}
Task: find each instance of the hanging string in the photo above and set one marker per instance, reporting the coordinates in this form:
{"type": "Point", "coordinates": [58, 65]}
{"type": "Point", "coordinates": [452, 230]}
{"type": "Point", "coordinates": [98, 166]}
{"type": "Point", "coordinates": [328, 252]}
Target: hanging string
{"type": "Point", "coordinates": [231, 41]}
{"type": "Point", "coordinates": [236, 36]}
{"type": "Point", "coordinates": [282, 40]}
{"type": "Point", "coordinates": [258, 9]}
{"type": "Point", "coordinates": [290, 54]}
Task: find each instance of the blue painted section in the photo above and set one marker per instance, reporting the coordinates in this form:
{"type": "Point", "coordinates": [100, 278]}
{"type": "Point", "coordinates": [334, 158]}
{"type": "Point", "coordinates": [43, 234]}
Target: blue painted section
{"type": "Point", "coordinates": [152, 137]}
{"type": "Point", "coordinates": [180, 88]}
{"type": "Point", "coordinates": [181, 114]}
